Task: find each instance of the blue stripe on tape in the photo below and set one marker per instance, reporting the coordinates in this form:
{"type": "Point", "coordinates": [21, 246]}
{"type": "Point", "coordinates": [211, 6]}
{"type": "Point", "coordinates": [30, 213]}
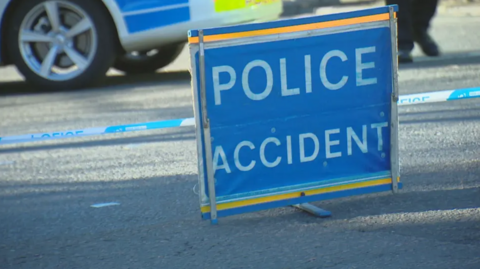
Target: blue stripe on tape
{"type": "Point", "coordinates": [441, 96]}
{"type": "Point", "coordinates": [464, 94]}
{"type": "Point", "coordinates": [410, 99]}
{"type": "Point", "coordinates": [145, 21]}
{"type": "Point", "coordinates": [144, 126]}
{"type": "Point", "coordinates": [97, 131]}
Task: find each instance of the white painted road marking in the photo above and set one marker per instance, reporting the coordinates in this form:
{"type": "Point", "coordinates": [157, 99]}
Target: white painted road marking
{"type": "Point", "coordinates": [105, 204]}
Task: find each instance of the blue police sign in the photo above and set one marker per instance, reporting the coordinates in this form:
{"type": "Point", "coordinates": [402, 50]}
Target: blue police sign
{"type": "Point", "coordinates": [295, 111]}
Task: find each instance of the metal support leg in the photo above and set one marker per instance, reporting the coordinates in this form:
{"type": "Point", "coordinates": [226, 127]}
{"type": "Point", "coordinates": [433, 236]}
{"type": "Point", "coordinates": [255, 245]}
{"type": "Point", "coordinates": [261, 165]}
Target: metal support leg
{"type": "Point", "coordinates": [206, 133]}
{"type": "Point", "coordinates": [316, 211]}
{"type": "Point", "coordinates": [395, 166]}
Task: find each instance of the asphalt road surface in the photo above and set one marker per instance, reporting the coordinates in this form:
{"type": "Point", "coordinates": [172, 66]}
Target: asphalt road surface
{"type": "Point", "coordinates": [47, 188]}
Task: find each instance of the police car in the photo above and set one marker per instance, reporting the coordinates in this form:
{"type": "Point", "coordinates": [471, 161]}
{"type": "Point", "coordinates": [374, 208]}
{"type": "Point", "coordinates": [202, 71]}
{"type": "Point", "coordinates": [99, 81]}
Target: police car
{"type": "Point", "coordinates": [65, 44]}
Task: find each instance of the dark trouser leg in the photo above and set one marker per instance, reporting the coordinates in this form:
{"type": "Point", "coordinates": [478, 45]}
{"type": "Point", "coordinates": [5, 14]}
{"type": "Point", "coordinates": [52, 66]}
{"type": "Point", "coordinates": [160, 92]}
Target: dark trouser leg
{"type": "Point", "coordinates": [405, 30]}
{"type": "Point", "coordinates": [422, 13]}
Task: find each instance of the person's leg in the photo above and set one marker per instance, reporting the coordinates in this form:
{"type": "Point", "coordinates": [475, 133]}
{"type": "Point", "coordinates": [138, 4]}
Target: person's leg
{"type": "Point", "coordinates": [405, 30]}
{"type": "Point", "coordinates": [422, 13]}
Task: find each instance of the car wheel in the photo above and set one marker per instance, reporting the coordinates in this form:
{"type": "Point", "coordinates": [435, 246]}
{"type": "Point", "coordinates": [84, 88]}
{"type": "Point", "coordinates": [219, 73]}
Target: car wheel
{"type": "Point", "coordinates": [147, 61]}
{"type": "Point", "coordinates": [62, 44]}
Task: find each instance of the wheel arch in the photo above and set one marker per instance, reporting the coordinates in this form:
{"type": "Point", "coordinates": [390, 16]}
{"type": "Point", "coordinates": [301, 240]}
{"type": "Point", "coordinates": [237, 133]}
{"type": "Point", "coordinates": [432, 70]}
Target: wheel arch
{"type": "Point", "coordinates": [4, 18]}
{"type": "Point", "coordinates": [116, 17]}
{"type": "Point", "coordinates": [110, 8]}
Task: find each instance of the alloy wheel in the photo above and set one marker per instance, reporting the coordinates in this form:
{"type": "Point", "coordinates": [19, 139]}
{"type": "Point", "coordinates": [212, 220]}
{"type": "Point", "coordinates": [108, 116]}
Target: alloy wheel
{"type": "Point", "coordinates": [57, 40]}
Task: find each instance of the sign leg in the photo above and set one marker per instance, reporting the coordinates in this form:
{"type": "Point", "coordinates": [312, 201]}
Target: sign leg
{"type": "Point", "coordinates": [206, 133]}
{"type": "Point", "coordinates": [311, 209]}
{"type": "Point", "coordinates": [395, 169]}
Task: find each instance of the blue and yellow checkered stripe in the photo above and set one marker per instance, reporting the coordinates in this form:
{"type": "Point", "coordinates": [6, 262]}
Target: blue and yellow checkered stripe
{"type": "Point", "coordinates": [147, 15]}
{"type": "Point", "coordinates": [294, 25]}
{"type": "Point", "coordinates": [298, 197]}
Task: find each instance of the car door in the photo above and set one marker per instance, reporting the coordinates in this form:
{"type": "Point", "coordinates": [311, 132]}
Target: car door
{"type": "Point", "coordinates": [145, 15]}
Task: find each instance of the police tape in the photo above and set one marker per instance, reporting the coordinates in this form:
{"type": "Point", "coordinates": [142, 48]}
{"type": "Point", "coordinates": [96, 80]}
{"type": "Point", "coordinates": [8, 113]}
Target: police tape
{"type": "Point", "coordinates": [441, 96]}
{"type": "Point", "coordinates": [97, 131]}
{"type": "Point", "coordinates": [410, 99]}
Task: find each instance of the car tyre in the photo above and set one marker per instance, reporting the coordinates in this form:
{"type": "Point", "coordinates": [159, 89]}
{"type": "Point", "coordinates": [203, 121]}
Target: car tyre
{"type": "Point", "coordinates": [44, 35]}
{"type": "Point", "coordinates": [143, 62]}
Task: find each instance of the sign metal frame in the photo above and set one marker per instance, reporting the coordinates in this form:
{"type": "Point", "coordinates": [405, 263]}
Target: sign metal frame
{"type": "Point", "coordinates": [395, 166]}
{"type": "Point", "coordinates": [200, 40]}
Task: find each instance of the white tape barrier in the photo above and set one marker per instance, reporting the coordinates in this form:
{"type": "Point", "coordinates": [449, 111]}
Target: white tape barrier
{"type": "Point", "coordinates": [410, 99]}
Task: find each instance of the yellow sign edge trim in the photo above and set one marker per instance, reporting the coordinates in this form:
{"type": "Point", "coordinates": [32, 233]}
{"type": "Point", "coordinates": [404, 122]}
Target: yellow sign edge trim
{"type": "Point", "coordinates": [292, 29]}
{"type": "Point", "coordinates": [206, 209]}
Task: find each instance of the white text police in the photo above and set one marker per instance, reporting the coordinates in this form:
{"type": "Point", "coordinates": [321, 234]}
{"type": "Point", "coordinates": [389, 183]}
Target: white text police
{"type": "Point", "coordinates": [360, 80]}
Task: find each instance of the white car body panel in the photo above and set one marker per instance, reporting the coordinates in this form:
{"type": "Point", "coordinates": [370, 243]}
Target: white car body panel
{"type": "Point", "coordinates": [149, 24]}
{"type": "Point", "coordinates": [201, 15]}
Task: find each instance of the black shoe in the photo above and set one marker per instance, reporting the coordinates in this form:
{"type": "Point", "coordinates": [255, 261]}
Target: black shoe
{"type": "Point", "coordinates": [427, 44]}
{"type": "Point", "coordinates": [404, 56]}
